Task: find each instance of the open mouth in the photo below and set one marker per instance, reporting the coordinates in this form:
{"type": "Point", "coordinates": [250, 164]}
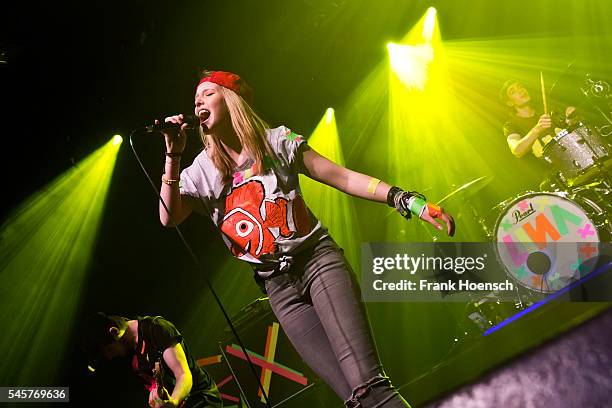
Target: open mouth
{"type": "Point", "coordinates": [203, 114]}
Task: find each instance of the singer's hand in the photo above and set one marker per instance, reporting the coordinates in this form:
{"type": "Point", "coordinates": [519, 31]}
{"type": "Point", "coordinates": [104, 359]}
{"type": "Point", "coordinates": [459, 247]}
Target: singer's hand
{"type": "Point", "coordinates": [545, 122]}
{"type": "Point", "coordinates": [175, 141]}
{"type": "Point", "coordinates": [439, 213]}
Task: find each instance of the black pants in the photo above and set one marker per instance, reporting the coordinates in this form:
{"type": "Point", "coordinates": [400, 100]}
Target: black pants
{"type": "Point", "coordinates": [317, 302]}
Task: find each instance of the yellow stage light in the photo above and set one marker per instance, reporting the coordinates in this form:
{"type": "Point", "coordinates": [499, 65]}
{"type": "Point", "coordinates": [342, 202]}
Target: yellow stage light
{"type": "Point", "coordinates": [334, 208]}
{"type": "Point", "coordinates": [329, 115]}
{"type": "Point", "coordinates": [410, 63]}
{"type": "Point", "coordinates": [46, 247]}
{"type": "Point", "coordinates": [429, 24]}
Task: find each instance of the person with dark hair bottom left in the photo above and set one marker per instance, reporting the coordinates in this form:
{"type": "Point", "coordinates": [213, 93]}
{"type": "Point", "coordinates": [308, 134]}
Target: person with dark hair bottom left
{"type": "Point", "coordinates": [159, 356]}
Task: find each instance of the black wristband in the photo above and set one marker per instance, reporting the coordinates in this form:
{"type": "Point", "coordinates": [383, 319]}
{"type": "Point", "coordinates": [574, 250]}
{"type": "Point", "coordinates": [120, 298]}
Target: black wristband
{"type": "Point", "coordinates": [174, 154]}
{"type": "Point", "coordinates": [391, 196]}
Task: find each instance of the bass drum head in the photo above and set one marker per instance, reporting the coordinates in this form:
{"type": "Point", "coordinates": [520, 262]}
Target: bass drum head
{"type": "Point", "coordinates": [543, 240]}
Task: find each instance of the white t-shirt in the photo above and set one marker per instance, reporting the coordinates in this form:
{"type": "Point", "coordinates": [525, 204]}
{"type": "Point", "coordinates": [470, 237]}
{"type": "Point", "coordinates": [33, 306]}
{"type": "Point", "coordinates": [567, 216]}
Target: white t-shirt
{"type": "Point", "coordinates": [261, 217]}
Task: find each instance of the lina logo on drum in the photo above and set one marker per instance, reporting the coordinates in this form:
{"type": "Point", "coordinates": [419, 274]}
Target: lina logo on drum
{"type": "Point", "coordinates": [544, 241]}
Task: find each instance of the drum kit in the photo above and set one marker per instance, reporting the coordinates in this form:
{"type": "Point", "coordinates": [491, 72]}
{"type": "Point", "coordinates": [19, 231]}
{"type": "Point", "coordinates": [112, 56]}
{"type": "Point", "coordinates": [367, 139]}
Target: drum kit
{"type": "Point", "coordinates": [543, 237]}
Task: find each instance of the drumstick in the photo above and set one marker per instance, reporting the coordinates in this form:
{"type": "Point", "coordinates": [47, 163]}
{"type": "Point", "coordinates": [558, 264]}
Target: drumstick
{"type": "Point", "coordinates": [543, 92]}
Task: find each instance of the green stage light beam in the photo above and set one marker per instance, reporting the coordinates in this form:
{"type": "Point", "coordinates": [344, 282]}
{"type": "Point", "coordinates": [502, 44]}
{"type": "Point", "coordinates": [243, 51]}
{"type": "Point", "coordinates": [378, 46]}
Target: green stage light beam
{"type": "Point", "coordinates": [46, 246]}
{"type": "Point", "coordinates": [424, 118]}
{"type": "Point", "coordinates": [410, 61]}
{"type": "Point", "coordinates": [333, 208]}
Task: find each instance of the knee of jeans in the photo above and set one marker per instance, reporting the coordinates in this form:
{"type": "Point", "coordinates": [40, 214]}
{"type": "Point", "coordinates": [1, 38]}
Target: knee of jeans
{"type": "Point", "coordinates": [365, 390]}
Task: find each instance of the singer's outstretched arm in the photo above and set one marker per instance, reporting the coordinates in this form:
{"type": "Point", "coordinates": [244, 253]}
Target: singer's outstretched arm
{"type": "Point", "coordinates": [325, 171]}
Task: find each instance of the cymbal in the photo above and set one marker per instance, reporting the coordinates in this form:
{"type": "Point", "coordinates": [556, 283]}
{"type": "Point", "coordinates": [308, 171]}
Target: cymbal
{"type": "Point", "coordinates": [566, 87]}
{"type": "Point", "coordinates": [468, 188]}
{"type": "Point", "coordinates": [473, 186]}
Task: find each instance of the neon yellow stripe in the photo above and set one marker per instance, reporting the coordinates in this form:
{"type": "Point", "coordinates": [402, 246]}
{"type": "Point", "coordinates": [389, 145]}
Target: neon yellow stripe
{"type": "Point", "coordinates": [270, 353]}
{"type": "Point", "coordinates": [372, 185]}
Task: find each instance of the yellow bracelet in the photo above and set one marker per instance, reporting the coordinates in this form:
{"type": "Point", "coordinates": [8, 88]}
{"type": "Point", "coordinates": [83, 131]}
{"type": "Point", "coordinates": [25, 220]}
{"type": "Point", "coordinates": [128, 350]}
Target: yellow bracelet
{"type": "Point", "coordinates": [372, 185]}
{"type": "Point", "coordinates": [169, 181]}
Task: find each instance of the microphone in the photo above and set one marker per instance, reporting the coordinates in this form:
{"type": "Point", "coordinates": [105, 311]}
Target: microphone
{"type": "Point", "coordinates": [192, 123]}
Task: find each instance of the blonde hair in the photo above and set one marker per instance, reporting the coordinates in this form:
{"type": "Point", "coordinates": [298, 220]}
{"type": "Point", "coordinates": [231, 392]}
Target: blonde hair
{"type": "Point", "coordinates": [251, 131]}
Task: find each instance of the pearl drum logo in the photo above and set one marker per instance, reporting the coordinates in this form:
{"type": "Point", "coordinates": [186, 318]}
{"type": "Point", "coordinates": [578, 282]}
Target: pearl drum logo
{"type": "Point", "coordinates": [519, 215]}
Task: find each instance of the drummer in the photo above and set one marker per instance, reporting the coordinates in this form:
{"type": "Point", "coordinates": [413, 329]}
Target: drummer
{"type": "Point", "coordinates": [524, 130]}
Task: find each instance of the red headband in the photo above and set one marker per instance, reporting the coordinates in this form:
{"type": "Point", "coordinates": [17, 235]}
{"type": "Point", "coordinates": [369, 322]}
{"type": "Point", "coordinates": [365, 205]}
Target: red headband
{"type": "Point", "coordinates": [230, 81]}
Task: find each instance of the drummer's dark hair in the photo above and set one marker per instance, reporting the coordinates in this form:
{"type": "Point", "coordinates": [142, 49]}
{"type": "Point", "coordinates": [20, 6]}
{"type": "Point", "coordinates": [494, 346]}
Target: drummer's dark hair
{"type": "Point", "coordinates": [503, 92]}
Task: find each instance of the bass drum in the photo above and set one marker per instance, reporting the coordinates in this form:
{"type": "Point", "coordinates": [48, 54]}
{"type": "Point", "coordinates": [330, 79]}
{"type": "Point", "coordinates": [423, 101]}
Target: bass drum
{"type": "Point", "coordinates": [544, 238]}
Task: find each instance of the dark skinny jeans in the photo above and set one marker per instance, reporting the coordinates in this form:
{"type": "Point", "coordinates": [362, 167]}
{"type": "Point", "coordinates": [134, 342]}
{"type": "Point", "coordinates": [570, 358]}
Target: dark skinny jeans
{"type": "Point", "coordinates": [317, 302]}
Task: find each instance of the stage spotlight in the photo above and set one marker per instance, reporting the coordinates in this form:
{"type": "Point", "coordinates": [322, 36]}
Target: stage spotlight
{"type": "Point", "coordinates": [333, 208]}
{"type": "Point", "coordinates": [429, 24]}
{"type": "Point", "coordinates": [117, 139]}
{"type": "Point", "coordinates": [410, 59]}
{"type": "Point", "coordinates": [329, 115]}
{"type": "Point", "coordinates": [46, 246]}
{"type": "Point", "coordinates": [410, 63]}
